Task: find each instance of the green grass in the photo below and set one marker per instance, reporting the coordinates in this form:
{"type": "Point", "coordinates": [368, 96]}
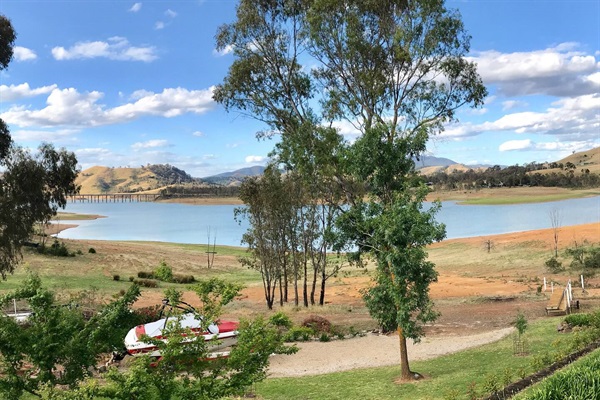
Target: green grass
{"type": "Point", "coordinates": [528, 199]}
{"type": "Point", "coordinates": [202, 248]}
{"type": "Point", "coordinates": [451, 374]}
{"type": "Point", "coordinates": [65, 216]}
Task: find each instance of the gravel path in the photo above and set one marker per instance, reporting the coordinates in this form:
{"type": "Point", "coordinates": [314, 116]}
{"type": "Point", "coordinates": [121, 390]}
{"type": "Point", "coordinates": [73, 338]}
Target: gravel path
{"type": "Point", "coordinates": [315, 358]}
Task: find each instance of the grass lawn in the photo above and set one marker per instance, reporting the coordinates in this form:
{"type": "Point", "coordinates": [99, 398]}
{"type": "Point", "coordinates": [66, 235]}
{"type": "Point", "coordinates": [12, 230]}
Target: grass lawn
{"type": "Point", "coordinates": [447, 377]}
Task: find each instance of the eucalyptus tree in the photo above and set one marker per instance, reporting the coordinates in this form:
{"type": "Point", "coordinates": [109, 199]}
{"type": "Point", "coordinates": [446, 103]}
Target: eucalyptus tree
{"type": "Point", "coordinates": [268, 82]}
{"type": "Point", "coordinates": [397, 71]}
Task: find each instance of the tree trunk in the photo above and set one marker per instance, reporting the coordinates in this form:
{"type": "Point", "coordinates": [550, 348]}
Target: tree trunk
{"type": "Point", "coordinates": [322, 296]}
{"type": "Point", "coordinates": [407, 374]}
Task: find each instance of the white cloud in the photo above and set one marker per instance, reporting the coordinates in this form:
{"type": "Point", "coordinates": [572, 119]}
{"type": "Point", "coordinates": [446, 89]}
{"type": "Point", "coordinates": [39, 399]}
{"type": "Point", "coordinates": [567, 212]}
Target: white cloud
{"type": "Point", "coordinates": [529, 145]}
{"type": "Point", "coordinates": [224, 51]}
{"type": "Point", "coordinates": [159, 25]}
{"type": "Point", "coordinates": [23, 54]}
{"type": "Point", "coordinates": [255, 159]}
{"type": "Point", "coordinates": [44, 136]}
{"type": "Point", "coordinates": [198, 134]}
{"type": "Point", "coordinates": [567, 119]}
{"type": "Point", "coordinates": [516, 145]}
{"type": "Point", "coordinates": [562, 70]}
{"type": "Point", "coordinates": [68, 107]}
{"type": "Point", "coordinates": [170, 13]}
{"type": "Point", "coordinates": [115, 48]}
{"type": "Point", "coordinates": [17, 92]}
{"type": "Point", "coordinates": [150, 144]}
{"type": "Point", "coordinates": [136, 7]}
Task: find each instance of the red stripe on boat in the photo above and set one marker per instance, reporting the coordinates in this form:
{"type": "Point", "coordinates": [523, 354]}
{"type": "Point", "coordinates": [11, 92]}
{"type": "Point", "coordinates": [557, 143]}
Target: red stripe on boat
{"type": "Point", "coordinates": [227, 326]}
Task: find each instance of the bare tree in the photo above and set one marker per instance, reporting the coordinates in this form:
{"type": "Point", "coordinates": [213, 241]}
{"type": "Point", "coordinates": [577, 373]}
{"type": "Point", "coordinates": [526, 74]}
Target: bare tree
{"type": "Point", "coordinates": [556, 222]}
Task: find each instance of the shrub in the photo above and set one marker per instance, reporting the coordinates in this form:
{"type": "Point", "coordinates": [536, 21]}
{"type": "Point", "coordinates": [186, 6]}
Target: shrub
{"type": "Point", "coordinates": [56, 249]}
{"type": "Point", "coordinates": [183, 279]}
{"type": "Point", "coordinates": [92, 250]}
{"type": "Point", "coordinates": [116, 278]}
{"type": "Point", "coordinates": [579, 319]}
{"type": "Point", "coordinates": [149, 283]}
{"type": "Point", "coordinates": [299, 334]}
{"type": "Point", "coordinates": [281, 320]}
{"type": "Point", "coordinates": [554, 266]}
{"type": "Point", "coordinates": [131, 279]}
{"type": "Point", "coordinates": [145, 275]}
{"type": "Point", "coordinates": [164, 272]}
{"type": "Point", "coordinates": [324, 337]}
{"type": "Point", "coordinates": [317, 323]}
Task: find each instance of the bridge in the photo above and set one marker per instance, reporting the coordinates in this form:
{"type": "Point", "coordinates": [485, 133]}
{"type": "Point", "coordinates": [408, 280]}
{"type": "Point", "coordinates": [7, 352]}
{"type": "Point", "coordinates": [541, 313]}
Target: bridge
{"type": "Point", "coordinates": [113, 198]}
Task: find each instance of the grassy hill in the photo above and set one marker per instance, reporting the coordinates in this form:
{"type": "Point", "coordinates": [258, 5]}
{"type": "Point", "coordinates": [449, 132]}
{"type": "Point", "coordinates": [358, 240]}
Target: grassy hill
{"type": "Point", "coordinates": [584, 160]}
{"type": "Point", "coordinates": [147, 179]}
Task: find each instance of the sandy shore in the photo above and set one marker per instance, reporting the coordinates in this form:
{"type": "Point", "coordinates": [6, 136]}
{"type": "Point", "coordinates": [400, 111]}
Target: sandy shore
{"type": "Point", "coordinates": [316, 358]}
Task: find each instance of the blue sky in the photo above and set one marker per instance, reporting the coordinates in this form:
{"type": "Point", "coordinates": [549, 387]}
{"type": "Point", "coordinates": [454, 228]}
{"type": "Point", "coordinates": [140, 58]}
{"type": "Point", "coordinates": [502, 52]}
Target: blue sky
{"type": "Point", "coordinates": [125, 83]}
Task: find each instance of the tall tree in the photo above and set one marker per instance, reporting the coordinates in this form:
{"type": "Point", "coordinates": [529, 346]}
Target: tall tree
{"type": "Point", "coordinates": [397, 71]}
{"type": "Point", "coordinates": [32, 188]}
{"type": "Point", "coordinates": [268, 82]}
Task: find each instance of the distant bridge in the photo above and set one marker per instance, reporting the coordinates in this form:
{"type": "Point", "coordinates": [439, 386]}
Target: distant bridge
{"type": "Point", "coordinates": [113, 198]}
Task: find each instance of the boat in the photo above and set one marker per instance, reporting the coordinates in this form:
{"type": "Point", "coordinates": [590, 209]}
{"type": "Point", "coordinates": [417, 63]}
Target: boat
{"type": "Point", "coordinates": [222, 334]}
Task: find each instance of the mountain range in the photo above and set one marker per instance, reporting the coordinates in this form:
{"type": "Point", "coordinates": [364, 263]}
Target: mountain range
{"type": "Point", "coordinates": [153, 178]}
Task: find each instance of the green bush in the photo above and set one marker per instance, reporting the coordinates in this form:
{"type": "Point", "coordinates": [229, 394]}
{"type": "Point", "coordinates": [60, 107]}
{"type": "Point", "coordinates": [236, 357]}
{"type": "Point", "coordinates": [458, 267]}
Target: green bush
{"type": "Point", "coordinates": [164, 272]}
{"type": "Point", "coordinates": [324, 337]}
{"type": "Point", "coordinates": [56, 249]}
{"type": "Point", "coordinates": [299, 334]}
{"type": "Point", "coordinates": [116, 277]}
{"type": "Point", "coordinates": [281, 320]}
{"type": "Point", "coordinates": [579, 319]}
{"type": "Point", "coordinates": [554, 266]}
{"type": "Point", "coordinates": [91, 250]}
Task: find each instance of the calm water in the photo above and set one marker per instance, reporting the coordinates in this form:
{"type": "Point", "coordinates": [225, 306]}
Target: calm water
{"type": "Point", "coordinates": [181, 223]}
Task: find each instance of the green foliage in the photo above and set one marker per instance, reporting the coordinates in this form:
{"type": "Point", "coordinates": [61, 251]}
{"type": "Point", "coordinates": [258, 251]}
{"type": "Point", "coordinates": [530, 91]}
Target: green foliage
{"type": "Point", "coordinates": [324, 337]}
{"type": "Point", "coordinates": [280, 319]}
{"type": "Point", "coordinates": [579, 319]}
{"type": "Point", "coordinates": [92, 250]}
{"type": "Point", "coordinates": [164, 272]}
{"type": "Point", "coordinates": [554, 266]}
{"type": "Point", "coordinates": [520, 323]}
{"type": "Point", "coordinates": [32, 188]}
{"type": "Point", "coordinates": [184, 370]}
{"type": "Point", "coordinates": [214, 294]}
{"type": "Point", "coordinates": [56, 249]}
{"type": "Point", "coordinates": [579, 382]}
{"type": "Point", "coordinates": [55, 338]}
{"type": "Point", "coordinates": [299, 334]}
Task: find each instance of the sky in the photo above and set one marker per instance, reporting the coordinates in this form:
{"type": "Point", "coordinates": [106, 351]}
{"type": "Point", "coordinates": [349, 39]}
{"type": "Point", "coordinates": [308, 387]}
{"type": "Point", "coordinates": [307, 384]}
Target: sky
{"type": "Point", "coordinates": [125, 83]}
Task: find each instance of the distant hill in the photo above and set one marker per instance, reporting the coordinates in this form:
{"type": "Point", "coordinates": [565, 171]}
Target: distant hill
{"type": "Point", "coordinates": [149, 178]}
{"type": "Point", "coordinates": [153, 178]}
{"type": "Point", "coordinates": [431, 161]}
{"type": "Point", "coordinates": [234, 178]}
{"type": "Point", "coordinates": [582, 161]}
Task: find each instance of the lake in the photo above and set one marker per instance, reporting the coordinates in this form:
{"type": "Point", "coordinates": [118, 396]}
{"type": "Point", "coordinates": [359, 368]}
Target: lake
{"type": "Point", "coordinates": [181, 223]}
